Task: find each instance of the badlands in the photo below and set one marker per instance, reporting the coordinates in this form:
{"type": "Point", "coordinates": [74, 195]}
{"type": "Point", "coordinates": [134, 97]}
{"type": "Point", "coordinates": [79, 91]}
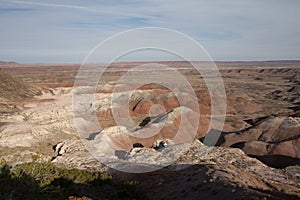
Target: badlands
{"type": "Point", "coordinates": [150, 137]}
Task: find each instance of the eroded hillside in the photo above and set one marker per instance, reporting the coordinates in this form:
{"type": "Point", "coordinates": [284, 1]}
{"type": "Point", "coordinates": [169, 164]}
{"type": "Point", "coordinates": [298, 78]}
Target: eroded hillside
{"type": "Point", "coordinates": [262, 120]}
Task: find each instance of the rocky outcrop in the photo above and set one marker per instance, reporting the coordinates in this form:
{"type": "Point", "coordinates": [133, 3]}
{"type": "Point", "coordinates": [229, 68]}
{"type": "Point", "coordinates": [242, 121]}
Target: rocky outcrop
{"type": "Point", "coordinates": [193, 170]}
{"type": "Point", "coordinates": [73, 154]}
{"type": "Point", "coordinates": [160, 144]}
{"type": "Point", "coordinates": [211, 172]}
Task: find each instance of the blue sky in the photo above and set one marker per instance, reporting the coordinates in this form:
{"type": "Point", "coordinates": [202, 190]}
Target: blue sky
{"type": "Point", "coordinates": [40, 31]}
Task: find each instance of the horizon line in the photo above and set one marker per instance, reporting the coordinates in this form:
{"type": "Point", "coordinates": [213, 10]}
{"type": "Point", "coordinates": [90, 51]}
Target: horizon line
{"type": "Point", "coordinates": [149, 61]}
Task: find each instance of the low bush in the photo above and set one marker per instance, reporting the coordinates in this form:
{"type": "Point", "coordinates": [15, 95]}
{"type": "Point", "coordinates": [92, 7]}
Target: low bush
{"type": "Point", "coordinates": [42, 180]}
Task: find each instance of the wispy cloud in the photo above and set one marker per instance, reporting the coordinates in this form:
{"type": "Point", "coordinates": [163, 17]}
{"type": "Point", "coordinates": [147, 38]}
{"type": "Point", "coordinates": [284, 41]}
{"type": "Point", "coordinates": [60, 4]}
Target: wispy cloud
{"type": "Point", "coordinates": [8, 10]}
{"type": "Point", "coordinates": [51, 5]}
{"type": "Point", "coordinates": [229, 30]}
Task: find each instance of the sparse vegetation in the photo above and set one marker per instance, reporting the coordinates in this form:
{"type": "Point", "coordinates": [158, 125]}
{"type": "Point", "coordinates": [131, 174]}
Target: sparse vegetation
{"type": "Point", "coordinates": [42, 180]}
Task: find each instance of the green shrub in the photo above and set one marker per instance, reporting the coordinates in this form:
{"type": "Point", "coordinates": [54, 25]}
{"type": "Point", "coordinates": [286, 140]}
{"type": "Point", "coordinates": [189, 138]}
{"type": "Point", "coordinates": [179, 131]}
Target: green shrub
{"type": "Point", "coordinates": [42, 180]}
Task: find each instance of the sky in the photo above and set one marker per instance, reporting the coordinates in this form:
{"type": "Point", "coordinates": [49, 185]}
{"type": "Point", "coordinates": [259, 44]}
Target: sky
{"type": "Point", "coordinates": [44, 31]}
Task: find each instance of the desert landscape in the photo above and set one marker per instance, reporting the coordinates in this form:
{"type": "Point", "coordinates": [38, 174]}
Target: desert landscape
{"type": "Point", "coordinates": [256, 156]}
